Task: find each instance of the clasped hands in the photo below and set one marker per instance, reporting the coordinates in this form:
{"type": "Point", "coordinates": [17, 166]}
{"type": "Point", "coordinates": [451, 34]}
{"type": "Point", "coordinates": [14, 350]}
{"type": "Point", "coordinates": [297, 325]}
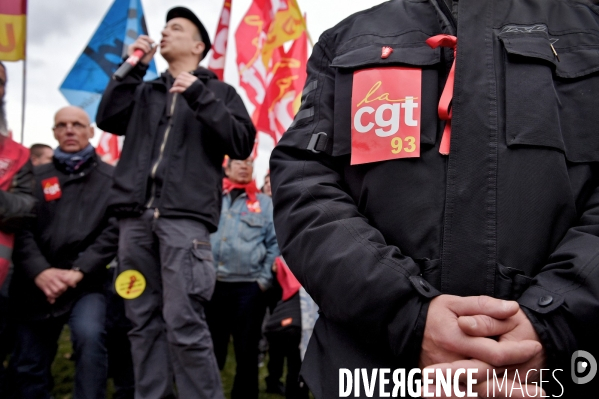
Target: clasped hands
{"type": "Point", "coordinates": [54, 282]}
{"type": "Point", "coordinates": [482, 333]}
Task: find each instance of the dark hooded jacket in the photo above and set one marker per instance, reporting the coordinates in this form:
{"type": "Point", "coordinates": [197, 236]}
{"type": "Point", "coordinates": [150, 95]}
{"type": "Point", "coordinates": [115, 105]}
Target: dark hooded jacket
{"type": "Point", "coordinates": [194, 131]}
{"type": "Point", "coordinates": [512, 212]}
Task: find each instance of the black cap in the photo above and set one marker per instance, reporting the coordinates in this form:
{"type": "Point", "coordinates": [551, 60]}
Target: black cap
{"type": "Point", "coordinates": [182, 12]}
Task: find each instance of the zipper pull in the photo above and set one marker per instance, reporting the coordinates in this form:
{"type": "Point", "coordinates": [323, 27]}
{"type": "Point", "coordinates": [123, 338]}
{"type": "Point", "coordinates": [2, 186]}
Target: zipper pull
{"type": "Point", "coordinates": [554, 52]}
{"type": "Point", "coordinates": [156, 213]}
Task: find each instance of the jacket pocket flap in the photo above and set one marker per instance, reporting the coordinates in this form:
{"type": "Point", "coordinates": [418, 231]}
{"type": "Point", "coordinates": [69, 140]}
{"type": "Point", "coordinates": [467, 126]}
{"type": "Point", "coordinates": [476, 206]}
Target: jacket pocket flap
{"type": "Point", "coordinates": [252, 220]}
{"type": "Point", "coordinates": [570, 62]}
{"type": "Point", "coordinates": [416, 55]}
{"type": "Point", "coordinates": [202, 252]}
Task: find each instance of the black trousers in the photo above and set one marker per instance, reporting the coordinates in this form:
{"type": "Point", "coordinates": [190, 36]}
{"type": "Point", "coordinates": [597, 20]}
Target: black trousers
{"type": "Point", "coordinates": [237, 310]}
{"type": "Point", "coordinates": [286, 345]}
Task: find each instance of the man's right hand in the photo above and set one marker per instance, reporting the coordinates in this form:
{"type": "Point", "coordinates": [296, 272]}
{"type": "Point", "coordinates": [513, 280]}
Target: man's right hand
{"type": "Point", "coordinates": [51, 283]}
{"type": "Point", "coordinates": [445, 342]}
{"type": "Point", "coordinates": [144, 43]}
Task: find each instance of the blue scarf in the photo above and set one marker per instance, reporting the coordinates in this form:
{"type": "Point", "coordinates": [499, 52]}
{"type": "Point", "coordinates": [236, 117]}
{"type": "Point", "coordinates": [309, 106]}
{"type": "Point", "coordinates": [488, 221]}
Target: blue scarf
{"type": "Point", "coordinates": [72, 161]}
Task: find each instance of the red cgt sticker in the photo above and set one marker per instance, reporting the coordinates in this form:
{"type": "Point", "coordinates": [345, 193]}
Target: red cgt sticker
{"type": "Point", "coordinates": [386, 114]}
{"type": "Point", "coordinates": [51, 189]}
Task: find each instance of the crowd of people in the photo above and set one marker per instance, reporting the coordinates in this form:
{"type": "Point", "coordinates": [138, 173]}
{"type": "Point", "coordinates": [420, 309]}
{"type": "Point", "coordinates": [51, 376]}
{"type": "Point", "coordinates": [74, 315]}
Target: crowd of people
{"type": "Point", "coordinates": [439, 201]}
{"type": "Point", "coordinates": [155, 264]}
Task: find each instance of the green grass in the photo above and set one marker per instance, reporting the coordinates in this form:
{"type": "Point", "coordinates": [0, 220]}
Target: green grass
{"type": "Point", "coordinates": [63, 370]}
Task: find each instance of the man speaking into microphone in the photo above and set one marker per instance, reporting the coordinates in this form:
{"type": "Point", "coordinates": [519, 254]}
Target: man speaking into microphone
{"type": "Point", "coordinates": [167, 195]}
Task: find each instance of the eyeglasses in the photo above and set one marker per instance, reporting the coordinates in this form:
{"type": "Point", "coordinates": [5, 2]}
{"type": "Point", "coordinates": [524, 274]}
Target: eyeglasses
{"type": "Point", "coordinates": [247, 162]}
{"type": "Point", "coordinates": [61, 127]}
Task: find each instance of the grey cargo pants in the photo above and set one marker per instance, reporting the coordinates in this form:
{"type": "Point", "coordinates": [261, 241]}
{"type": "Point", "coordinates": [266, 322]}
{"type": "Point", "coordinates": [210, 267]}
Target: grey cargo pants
{"type": "Point", "coordinates": [170, 334]}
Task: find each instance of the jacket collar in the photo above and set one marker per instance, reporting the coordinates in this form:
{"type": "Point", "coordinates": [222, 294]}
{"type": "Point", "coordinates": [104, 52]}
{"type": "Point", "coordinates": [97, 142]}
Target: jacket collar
{"type": "Point", "coordinates": [83, 170]}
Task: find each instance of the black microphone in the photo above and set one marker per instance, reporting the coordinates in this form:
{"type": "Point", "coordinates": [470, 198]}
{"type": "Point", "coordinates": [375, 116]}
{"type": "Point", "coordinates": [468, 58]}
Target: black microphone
{"type": "Point", "coordinates": [129, 64]}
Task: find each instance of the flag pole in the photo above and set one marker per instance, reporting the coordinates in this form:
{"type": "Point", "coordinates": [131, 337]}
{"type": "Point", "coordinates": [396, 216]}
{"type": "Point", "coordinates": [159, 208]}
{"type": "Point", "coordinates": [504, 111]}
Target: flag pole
{"type": "Point", "coordinates": [23, 103]}
{"type": "Point", "coordinates": [24, 89]}
{"type": "Point", "coordinates": [304, 23]}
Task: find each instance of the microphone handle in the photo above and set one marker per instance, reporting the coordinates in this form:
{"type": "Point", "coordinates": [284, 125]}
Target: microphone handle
{"type": "Point", "coordinates": [128, 65]}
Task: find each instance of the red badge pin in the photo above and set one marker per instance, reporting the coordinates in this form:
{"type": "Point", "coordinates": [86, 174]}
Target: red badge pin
{"type": "Point", "coordinates": [386, 52]}
{"type": "Point", "coordinates": [254, 207]}
{"type": "Point", "coordinates": [51, 189]}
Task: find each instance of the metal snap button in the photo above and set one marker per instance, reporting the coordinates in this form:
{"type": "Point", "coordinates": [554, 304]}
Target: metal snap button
{"type": "Point", "coordinates": [545, 300]}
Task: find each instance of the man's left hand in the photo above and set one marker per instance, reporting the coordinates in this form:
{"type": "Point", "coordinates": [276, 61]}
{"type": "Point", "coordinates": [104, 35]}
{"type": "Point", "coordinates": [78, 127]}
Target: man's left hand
{"type": "Point", "coordinates": [183, 81]}
{"type": "Point", "coordinates": [72, 277]}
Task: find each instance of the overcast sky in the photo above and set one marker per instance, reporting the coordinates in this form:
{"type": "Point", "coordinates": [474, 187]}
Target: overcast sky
{"type": "Point", "coordinates": [58, 30]}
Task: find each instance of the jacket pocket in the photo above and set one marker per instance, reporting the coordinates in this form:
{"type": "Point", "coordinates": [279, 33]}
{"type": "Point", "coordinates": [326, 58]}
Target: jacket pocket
{"type": "Point", "coordinates": [510, 283]}
{"type": "Point", "coordinates": [551, 92]}
{"type": "Point", "coordinates": [200, 273]}
{"type": "Point", "coordinates": [251, 227]}
{"type": "Point", "coordinates": [407, 52]}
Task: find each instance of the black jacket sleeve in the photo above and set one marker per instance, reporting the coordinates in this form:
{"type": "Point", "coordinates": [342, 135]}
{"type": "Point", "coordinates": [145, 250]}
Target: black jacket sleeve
{"type": "Point", "coordinates": [16, 204]}
{"type": "Point", "coordinates": [563, 302]}
{"type": "Point", "coordinates": [27, 254]}
{"type": "Point", "coordinates": [118, 100]}
{"type": "Point", "coordinates": [104, 249]}
{"type": "Point", "coordinates": [356, 278]}
{"type": "Point", "coordinates": [226, 117]}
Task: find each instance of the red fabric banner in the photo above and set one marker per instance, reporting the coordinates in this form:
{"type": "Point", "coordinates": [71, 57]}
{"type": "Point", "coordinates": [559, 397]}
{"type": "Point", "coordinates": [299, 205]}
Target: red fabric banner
{"type": "Point", "coordinates": [219, 48]}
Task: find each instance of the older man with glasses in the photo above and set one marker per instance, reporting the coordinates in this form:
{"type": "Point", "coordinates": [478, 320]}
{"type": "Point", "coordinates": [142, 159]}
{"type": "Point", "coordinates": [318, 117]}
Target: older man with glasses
{"type": "Point", "coordinates": [60, 264]}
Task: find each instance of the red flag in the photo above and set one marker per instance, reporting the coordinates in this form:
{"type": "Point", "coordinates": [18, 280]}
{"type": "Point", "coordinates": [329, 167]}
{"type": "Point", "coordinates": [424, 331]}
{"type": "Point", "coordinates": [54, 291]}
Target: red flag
{"type": "Point", "coordinates": [260, 34]}
{"type": "Point", "coordinates": [283, 94]}
{"type": "Point", "coordinates": [109, 148]}
{"type": "Point", "coordinates": [219, 47]}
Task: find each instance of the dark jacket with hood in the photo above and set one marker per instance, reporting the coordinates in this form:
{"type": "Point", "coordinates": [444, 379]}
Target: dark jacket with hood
{"type": "Point", "coordinates": [512, 212]}
{"type": "Point", "coordinates": [73, 231]}
{"type": "Point", "coordinates": [203, 124]}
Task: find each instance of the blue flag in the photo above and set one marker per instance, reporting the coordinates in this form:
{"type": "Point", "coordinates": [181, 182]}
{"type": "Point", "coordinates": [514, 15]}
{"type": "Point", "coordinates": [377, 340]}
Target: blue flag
{"type": "Point", "coordinates": [86, 82]}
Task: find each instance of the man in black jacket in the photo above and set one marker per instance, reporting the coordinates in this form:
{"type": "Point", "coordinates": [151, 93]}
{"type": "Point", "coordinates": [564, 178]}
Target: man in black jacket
{"type": "Point", "coordinates": [60, 264]}
{"type": "Point", "coordinates": [409, 206]}
{"type": "Point", "coordinates": [167, 195]}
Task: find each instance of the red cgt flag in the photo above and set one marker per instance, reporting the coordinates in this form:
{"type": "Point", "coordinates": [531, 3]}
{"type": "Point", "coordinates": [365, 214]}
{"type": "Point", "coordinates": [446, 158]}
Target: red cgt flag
{"type": "Point", "coordinates": [283, 94]}
{"type": "Point", "coordinates": [13, 29]}
{"type": "Point", "coordinates": [219, 48]}
{"type": "Point", "coordinates": [262, 31]}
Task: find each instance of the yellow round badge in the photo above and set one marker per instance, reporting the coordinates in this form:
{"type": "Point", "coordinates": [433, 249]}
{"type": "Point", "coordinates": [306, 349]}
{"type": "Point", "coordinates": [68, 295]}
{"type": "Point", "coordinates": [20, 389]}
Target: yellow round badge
{"type": "Point", "coordinates": [130, 284]}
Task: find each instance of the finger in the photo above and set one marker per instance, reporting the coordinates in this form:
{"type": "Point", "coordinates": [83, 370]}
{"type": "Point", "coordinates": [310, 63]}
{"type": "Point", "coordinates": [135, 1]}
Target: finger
{"type": "Point", "coordinates": [68, 279]}
{"type": "Point", "coordinates": [145, 39]}
{"type": "Point", "coordinates": [143, 46]}
{"type": "Point", "coordinates": [71, 283]}
{"type": "Point", "coordinates": [50, 299]}
{"type": "Point", "coordinates": [183, 80]}
{"type": "Point", "coordinates": [47, 292]}
{"type": "Point", "coordinates": [178, 89]}
{"type": "Point", "coordinates": [485, 326]}
{"type": "Point", "coordinates": [498, 353]}
{"type": "Point", "coordinates": [58, 288]}
{"type": "Point", "coordinates": [485, 305]}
